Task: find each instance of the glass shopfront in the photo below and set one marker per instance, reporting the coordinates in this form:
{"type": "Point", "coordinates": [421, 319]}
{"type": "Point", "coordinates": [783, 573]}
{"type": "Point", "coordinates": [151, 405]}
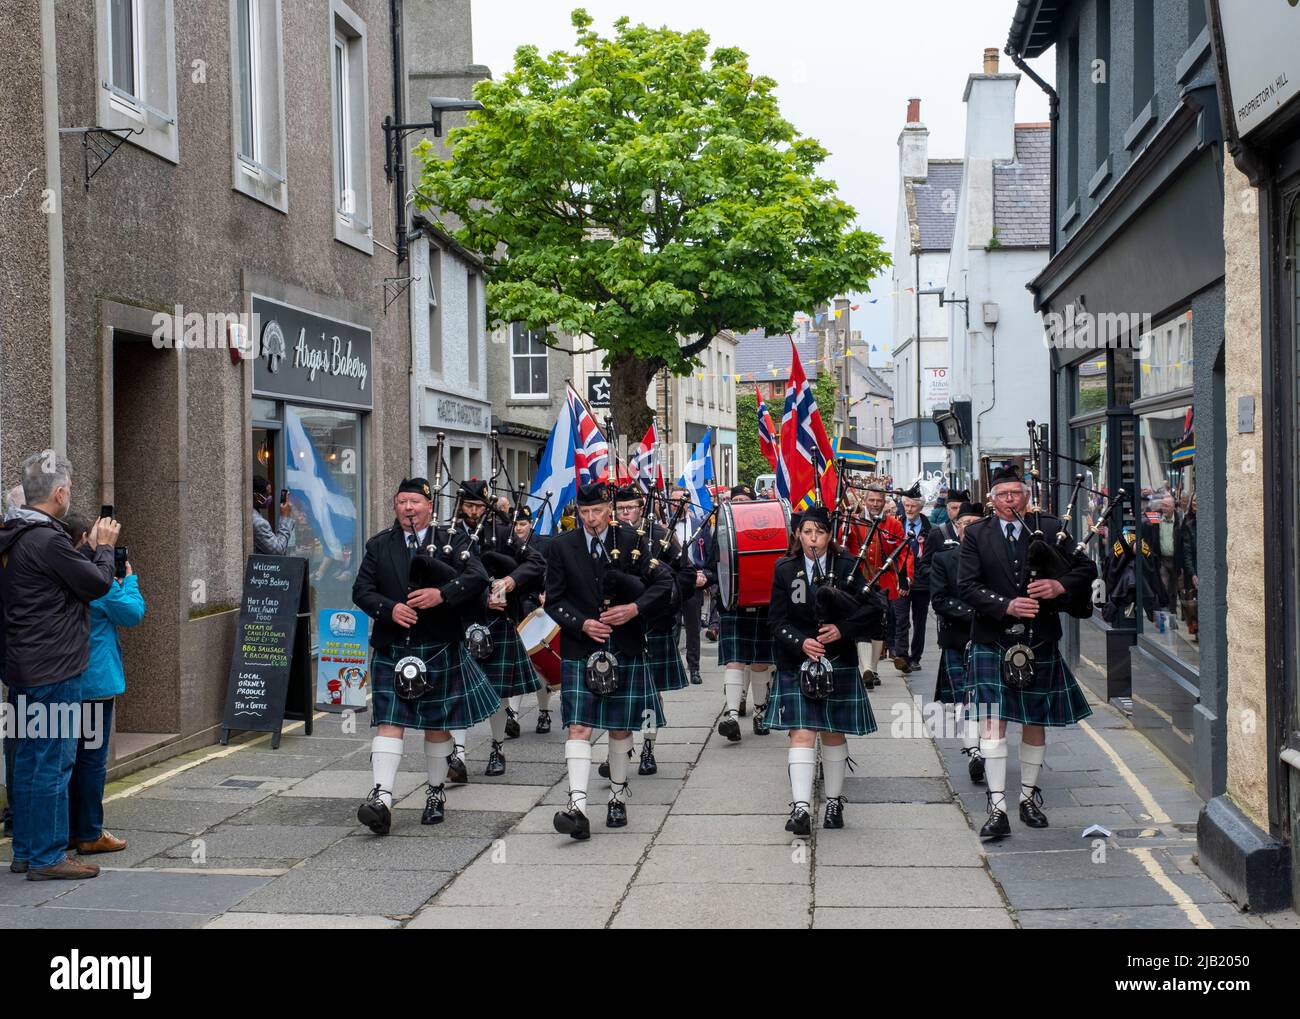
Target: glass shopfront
{"type": "Point", "coordinates": [311, 388]}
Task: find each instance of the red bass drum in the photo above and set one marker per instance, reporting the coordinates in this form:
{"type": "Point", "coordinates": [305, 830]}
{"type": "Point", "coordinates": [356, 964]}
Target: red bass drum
{"type": "Point", "coordinates": [751, 537]}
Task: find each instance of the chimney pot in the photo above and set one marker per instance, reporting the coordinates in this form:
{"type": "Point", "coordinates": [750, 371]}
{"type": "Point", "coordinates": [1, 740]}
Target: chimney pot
{"type": "Point", "coordinates": [991, 60]}
{"type": "Point", "coordinates": [914, 111]}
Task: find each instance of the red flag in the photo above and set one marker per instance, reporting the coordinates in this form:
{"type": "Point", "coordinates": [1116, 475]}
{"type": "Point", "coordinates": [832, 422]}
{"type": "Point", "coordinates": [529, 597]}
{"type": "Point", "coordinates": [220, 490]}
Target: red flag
{"type": "Point", "coordinates": [767, 434]}
{"type": "Point", "coordinates": [805, 451]}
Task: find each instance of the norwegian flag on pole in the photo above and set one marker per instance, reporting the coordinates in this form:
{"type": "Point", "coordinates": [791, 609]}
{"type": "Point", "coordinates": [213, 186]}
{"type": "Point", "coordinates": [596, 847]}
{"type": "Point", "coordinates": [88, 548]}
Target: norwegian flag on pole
{"type": "Point", "coordinates": [768, 438]}
{"type": "Point", "coordinates": [641, 464]}
{"type": "Point", "coordinates": [590, 450]}
{"type": "Point", "coordinates": [805, 450]}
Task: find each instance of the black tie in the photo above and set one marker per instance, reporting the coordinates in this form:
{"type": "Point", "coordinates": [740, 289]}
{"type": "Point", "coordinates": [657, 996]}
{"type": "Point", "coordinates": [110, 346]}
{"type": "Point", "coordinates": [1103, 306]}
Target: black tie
{"type": "Point", "coordinates": [1011, 532]}
{"type": "Point", "coordinates": [412, 543]}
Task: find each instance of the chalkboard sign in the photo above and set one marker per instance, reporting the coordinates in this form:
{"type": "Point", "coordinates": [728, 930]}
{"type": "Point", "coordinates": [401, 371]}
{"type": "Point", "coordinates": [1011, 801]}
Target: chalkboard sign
{"type": "Point", "coordinates": [270, 671]}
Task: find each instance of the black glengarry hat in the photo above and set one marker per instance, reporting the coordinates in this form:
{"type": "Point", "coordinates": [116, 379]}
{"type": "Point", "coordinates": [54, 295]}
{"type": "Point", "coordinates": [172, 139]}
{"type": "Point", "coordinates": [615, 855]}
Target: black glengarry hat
{"type": "Point", "coordinates": [594, 494]}
{"type": "Point", "coordinates": [420, 486]}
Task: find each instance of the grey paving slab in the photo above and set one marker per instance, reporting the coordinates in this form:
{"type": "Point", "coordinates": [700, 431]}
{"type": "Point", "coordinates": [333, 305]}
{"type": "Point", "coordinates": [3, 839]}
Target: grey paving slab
{"type": "Point", "coordinates": [516, 799]}
{"type": "Point", "coordinates": [16, 890]}
{"type": "Point", "coordinates": [904, 847]}
{"type": "Point", "coordinates": [1127, 917]}
{"type": "Point", "coordinates": [524, 850]}
{"type": "Point", "coordinates": [257, 865]}
{"type": "Point", "coordinates": [300, 810]}
{"type": "Point", "coordinates": [275, 841]}
{"type": "Point", "coordinates": [896, 790]}
{"type": "Point", "coordinates": [265, 765]}
{"type": "Point", "coordinates": [300, 921]}
{"type": "Point", "coordinates": [1079, 893]}
{"type": "Point", "coordinates": [1077, 863]}
{"type": "Point", "coordinates": [486, 884]}
{"type": "Point", "coordinates": [905, 887]}
{"type": "Point", "coordinates": [160, 892]}
{"type": "Point", "coordinates": [642, 819]}
{"type": "Point", "coordinates": [730, 800]}
{"type": "Point", "coordinates": [969, 918]}
{"type": "Point", "coordinates": [20, 917]}
{"type": "Point", "coordinates": [140, 846]}
{"type": "Point", "coordinates": [352, 784]}
{"type": "Point", "coordinates": [182, 816]}
{"type": "Point", "coordinates": [377, 852]}
{"type": "Point", "coordinates": [711, 865]}
{"type": "Point", "coordinates": [728, 830]}
{"type": "Point", "coordinates": [239, 797]}
{"type": "Point", "coordinates": [642, 791]}
{"type": "Point", "coordinates": [894, 816]}
{"type": "Point", "coordinates": [572, 915]}
{"type": "Point", "coordinates": [715, 907]}
{"type": "Point", "coordinates": [369, 892]}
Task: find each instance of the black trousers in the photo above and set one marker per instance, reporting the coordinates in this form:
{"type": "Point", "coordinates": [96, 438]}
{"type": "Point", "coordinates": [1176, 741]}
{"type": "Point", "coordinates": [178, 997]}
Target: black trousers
{"type": "Point", "coordinates": [911, 613]}
{"type": "Point", "coordinates": [691, 624]}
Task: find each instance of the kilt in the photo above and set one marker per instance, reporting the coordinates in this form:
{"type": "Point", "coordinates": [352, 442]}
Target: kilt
{"type": "Point", "coordinates": [627, 709]}
{"type": "Point", "coordinates": [950, 687]}
{"type": "Point", "coordinates": [745, 637]}
{"type": "Point", "coordinates": [461, 694]}
{"type": "Point", "coordinates": [846, 710]}
{"type": "Point", "coordinates": [1054, 699]}
{"type": "Point", "coordinates": [667, 670]}
{"type": "Point", "coordinates": [508, 668]}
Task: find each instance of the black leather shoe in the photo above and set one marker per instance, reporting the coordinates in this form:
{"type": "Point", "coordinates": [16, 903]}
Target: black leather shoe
{"type": "Point", "coordinates": [435, 801]}
{"type": "Point", "coordinates": [711, 634]}
{"type": "Point", "coordinates": [456, 773]}
{"type": "Point", "coordinates": [834, 813]}
{"type": "Point", "coordinates": [997, 826]}
{"type": "Point", "coordinates": [543, 722]}
{"type": "Point", "coordinates": [616, 815]}
{"type": "Point", "coordinates": [760, 720]}
{"type": "Point", "coordinates": [496, 761]}
{"type": "Point", "coordinates": [512, 724]}
{"type": "Point", "coordinates": [648, 764]}
{"type": "Point", "coordinates": [976, 766]}
{"type": "Point", "coordinates": [696, 679]}
{"type": "Point", "coordinates": [1031, 810]}
{"type": "Point", "coordinates": [800, 823]}
{"type": "Point", "coordinates": [374, 813]}
{"type": "Point", "coordinates": [730, 727]}
{"type": "Point", "coordinates": [18, 866]}
{"type": "Point", "coordinates": [573, 822]}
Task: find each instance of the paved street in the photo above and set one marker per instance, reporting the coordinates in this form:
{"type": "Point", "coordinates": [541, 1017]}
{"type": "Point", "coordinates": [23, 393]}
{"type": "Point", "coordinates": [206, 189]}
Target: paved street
{"type": "Point", "coordinates": [249, 837]}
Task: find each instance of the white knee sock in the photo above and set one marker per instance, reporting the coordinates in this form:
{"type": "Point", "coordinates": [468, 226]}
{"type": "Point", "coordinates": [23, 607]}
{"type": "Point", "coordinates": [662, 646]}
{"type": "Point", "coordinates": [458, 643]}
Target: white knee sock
{"type": "Point", "coordinates": [994, 752]}
{"type": "Point", "coordinates": [1031, 762]}
{"type": "Point", "coordinates": [459, 737]}
{"type": "Point", "coordinates": [759, 685]}
{"type": "Point", "coordinates": [436, 758]}
{"type": "Point", "coordinates": [543, 697]}
{"type": "Point", "coordinates": [618, 751]}
{"type": "Point", "coordinates": [802, 767]}
{"type": "Point", "coordinates": [385, 759]}
{"type": "Point", "coordinates": [497, 720]}
{"type": "Point", "coordinates": [967, 729]}
{"type": "Point", "coordinates": [733, 684]}
{"type": "Point", "coordinates": [577, 757]}
{"type": "Point", "coordinates": [515, 702]}
{"type": "Point", "coordinates": [834, 759]}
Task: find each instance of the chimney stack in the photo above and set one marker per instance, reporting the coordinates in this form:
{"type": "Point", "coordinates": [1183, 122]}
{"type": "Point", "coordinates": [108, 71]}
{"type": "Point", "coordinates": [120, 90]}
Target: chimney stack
{"type": "Point", "coordinates": [991, 60]}
{"type": "Point", "coordinates": [914, 110]}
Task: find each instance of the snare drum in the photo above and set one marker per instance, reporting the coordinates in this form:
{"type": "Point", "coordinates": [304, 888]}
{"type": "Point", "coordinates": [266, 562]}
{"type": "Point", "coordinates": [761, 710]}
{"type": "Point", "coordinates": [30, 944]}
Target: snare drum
{"type": "Point", "coordinates": [540, 635]}
{"type": "Point", "coordinates": [752, 536]}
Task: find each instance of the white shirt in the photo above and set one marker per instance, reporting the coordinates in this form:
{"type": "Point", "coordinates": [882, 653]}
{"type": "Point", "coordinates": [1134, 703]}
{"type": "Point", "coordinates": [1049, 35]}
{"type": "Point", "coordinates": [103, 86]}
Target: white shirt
{"type": "Point", "coordinates": [815, 571]}
{"type": "Point", "coordinates": [593, 538]}
{"type": "Point", "coordinates": [1004, 524]}
{"type": "Point", "coordinates": [421, 538]}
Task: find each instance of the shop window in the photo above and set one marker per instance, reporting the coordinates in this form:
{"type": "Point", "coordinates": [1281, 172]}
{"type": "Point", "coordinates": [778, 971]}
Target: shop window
{"type": "Point", "coordinates": [1165, 356]}
{"type": "Point", "coordinates": [1089, 378]}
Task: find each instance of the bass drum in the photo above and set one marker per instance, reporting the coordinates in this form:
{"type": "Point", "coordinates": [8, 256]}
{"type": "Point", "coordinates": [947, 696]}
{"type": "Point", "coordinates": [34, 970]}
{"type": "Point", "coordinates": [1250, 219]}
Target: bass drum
{"type": "Point", "coordinates": [540, 635]}
{"type": "Point", "coordinates": [752, 536]}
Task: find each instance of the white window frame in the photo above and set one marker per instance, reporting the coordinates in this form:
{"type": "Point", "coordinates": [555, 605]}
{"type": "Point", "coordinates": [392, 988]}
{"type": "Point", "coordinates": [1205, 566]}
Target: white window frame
{"type": "Point", "coordinates": [349, 113]}
{"type": "Point", "coordinates": [260, 174]}
{"type": "Point", "coordinates": [433, 285]}
{"type": "Point", "coordinates": [545, 354]}
{"type": "Point", "coordinates": [149, 109]}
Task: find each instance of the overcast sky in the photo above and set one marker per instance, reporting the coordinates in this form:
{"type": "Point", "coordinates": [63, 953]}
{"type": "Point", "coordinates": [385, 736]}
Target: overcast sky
{"type": "Point", "coordinates": [844, 73]}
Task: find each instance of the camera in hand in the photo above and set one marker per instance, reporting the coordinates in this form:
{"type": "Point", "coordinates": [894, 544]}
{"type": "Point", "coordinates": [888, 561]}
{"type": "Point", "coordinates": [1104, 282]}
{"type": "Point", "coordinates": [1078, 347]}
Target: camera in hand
{"type": "Point", "coordinates": [120, 554]}
{"type": "Point", "coordinates": [106, 511]}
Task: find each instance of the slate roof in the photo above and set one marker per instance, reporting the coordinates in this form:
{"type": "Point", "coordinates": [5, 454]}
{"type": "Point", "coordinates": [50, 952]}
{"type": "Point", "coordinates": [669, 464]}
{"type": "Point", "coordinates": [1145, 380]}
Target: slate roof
{"type": "Point", "coordinates": [1021, 191]}
{"type": "Point", "coordinates": [932, 204]}
{"type": "Point", "coordinates": [759, 353]}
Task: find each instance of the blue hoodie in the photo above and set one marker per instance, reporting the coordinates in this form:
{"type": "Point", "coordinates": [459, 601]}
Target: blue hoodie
{"type": "Point", "coordinates": [122, 606]}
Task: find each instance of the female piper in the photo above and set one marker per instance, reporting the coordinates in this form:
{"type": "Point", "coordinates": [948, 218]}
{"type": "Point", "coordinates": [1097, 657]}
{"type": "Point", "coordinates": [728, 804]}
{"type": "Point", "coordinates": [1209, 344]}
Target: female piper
{"type": "Point", "coordinates": [819, 608]}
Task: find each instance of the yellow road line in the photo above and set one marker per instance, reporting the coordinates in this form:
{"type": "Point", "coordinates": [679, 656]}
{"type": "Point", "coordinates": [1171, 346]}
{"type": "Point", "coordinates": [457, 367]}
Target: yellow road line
{"type": "Point", "coordinates": [1180, 897]}
{"type": "Point", "coordinates": [1158, 815]}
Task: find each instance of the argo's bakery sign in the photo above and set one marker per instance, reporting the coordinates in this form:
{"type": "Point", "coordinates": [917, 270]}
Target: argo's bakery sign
{"type": "Point", "coordinates": [308, 357]}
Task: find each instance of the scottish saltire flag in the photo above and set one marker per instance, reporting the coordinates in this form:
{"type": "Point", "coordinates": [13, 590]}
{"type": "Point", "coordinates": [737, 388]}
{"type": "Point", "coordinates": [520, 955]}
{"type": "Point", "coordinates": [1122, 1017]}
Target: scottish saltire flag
{"type": "Point", "coordinates": [590, 450]}
{"type": "Point", "coordinates": [697, 475]}
{"type": "Point", "coordinates": [331, 513]}
{"type": "Point", "coordinates": [555, 474]}
{"type": "Point", "coordinates": [805, 450]}
{"type": "Point", "coordinates": [768, 439]}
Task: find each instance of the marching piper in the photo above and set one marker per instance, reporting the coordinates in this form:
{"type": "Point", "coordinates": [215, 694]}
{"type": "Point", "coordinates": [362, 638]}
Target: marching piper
{"type": "Point", "coordinates": [413, 581]}
{"type": "Point", "coordinates": [1017, 673]}
{"type": "Point", "coordinates": [819, 608]}
{"type": "Point", "coordinates": [601, 595]}
{"type": "Point", "coordinates": [533, 599]}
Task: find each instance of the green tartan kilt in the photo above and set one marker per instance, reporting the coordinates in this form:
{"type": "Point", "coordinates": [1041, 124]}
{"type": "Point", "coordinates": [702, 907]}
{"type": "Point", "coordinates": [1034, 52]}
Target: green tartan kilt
{"type": "Point", "coordinates": [667, 670]}
{"type": "Point", "coordinates": [950, 686]}
{"type": "Point", "coordinates": [846, 710]}
{"type": "Point", "coordinates": [508, 668]}
{"type": "Point", "coordinates": [1055, 698]}
{"type": "Point", "coordinates": [461, 694]}
{"type": "Point", "coordinates": [745, 637]}
{"type": "Point", "coordinates": [627, 709]}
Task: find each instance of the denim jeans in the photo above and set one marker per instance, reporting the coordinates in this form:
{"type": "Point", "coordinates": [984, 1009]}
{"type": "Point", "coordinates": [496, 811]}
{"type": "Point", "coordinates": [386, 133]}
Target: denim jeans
{"type": "Point", "coordinates": [42, 768]}
{"type": "Point", "coordinates": [86, 790]}
{"type": "Point", "coordinates": [10, 746]}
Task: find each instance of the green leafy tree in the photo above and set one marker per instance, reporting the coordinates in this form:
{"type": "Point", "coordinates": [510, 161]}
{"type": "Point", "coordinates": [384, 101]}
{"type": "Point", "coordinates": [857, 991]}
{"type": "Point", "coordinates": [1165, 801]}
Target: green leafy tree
{"type": "Point", "coordinates": [645, 194]}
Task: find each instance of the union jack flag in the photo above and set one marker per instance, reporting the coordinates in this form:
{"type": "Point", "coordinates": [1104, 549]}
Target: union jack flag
{"type": "Point", "coordinates": [590, 450]}
{"type": "Point", "coordinates": [641, 464]}
{"type": "Point", "coordinates": [768, 438]}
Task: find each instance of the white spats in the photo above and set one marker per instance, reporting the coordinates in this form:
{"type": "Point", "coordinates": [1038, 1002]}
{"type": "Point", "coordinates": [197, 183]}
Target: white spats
{"type": "Point", "coordinates": [834, 760]}
{"type": "Point", "coordinates": [436, 758]}
{"type": "Point", "coordinates": [385, 759]}
{"type": "Point", "coordinates": [869, 655]}
{"type": "Point", "coordinates": [577, 758]}
{"type": "Point", "coordinates": [733, 685]}
{"type": "Point", "coordinates": [497, 721]}
{"type": "Point", "coordinates": [1031, 763]}
{"type": "Point", "coordinates": [802, 767]}
{"type": "Point", "coordinates": [994, 752]}
{"type": "Point", "coordinates": [460, 737]}
{"type": "Point", "coordinates": [618, 761]}
{"type": "Point", "coordinates": [758, 685]}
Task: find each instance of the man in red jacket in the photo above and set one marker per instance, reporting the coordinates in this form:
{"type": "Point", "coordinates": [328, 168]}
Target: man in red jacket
{"type": "Point", "coordinates": [885, 537]}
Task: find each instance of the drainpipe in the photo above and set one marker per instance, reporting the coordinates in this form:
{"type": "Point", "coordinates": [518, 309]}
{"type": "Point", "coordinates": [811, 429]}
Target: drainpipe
{"type": "Point", "coordinates": [399, 177]}
{"type": "Point", "coordinates": [54, 236]}
{"type": "Point", "coordinates": [1053, 116]}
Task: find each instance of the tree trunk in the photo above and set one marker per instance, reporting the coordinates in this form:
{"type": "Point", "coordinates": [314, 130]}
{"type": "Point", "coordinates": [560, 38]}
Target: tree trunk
{"type": "Point", "coordinates": [630, 377]}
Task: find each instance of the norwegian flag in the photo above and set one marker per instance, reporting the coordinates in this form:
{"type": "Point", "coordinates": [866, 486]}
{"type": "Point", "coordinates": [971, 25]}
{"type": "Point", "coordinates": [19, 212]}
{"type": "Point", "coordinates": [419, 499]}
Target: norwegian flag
{"type": "Point", "coordinates": [805, 451]}
{"type": "Point", "coordinates": [641, 464]}
{"type": "Point", "coordinates": [768, 438]}
{"type": "Point", "coordinates": [590, 450]}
